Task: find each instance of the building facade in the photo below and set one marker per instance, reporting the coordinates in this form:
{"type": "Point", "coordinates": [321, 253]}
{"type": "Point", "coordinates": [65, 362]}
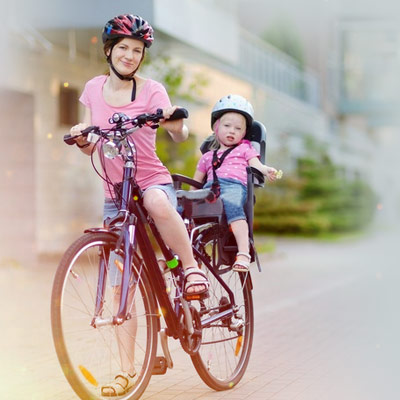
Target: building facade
{"type": "Point", "coordinates": [51, 55]}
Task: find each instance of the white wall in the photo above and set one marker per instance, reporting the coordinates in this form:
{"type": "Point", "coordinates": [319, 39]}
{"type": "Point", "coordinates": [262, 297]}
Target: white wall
{"type": "Point", "coordinates": [68, 194]}
{"type": "Point", "coordinates": [193, 22]}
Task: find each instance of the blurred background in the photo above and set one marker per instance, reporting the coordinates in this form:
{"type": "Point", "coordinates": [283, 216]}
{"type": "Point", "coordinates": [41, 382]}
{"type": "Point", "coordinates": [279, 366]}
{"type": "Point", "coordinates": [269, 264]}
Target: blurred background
{"type": "Point", "coordinates": [322, 75]}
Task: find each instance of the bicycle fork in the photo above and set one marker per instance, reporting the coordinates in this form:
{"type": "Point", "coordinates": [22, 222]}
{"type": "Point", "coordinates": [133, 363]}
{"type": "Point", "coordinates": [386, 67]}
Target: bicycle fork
{"type": "Point", "coordinates": [128, 240]}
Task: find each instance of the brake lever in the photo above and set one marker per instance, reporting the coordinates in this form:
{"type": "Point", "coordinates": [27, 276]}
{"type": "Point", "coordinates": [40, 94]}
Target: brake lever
{"type": "Point", "coordinates": [71, 140]}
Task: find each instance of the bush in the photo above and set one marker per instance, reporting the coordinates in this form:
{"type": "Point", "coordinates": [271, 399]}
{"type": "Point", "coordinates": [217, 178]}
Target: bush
{"type": "Point", "coordinates": [292, 224]}
{"type": "Point", "coordinates": [315, 199]}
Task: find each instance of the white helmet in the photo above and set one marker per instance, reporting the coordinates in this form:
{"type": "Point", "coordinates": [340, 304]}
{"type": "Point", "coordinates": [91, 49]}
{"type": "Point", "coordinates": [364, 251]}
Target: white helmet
{"type": "Point", "coordinates": [233, 103]}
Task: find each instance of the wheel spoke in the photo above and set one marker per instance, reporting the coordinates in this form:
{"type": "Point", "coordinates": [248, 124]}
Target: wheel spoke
{"type": "Point", "coordinates": [92, 356]}
{"type": "Point", "coordinates": [226, 340]}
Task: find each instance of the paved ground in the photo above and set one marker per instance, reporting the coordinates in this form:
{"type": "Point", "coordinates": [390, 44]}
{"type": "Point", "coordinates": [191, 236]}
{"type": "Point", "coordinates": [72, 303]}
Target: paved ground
{"type": "Point", "coordinates": [327, 328]}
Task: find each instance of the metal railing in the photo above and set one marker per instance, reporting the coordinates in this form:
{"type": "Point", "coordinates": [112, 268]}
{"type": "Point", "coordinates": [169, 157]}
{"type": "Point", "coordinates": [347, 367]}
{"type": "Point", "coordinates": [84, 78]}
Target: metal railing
{"type": "Point", "coordinates": [267, 65]}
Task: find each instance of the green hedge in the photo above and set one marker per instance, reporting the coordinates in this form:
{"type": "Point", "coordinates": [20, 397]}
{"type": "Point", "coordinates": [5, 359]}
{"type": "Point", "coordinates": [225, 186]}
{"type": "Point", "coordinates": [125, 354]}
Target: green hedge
{"type": "Point", "coordinates": [316, 198]}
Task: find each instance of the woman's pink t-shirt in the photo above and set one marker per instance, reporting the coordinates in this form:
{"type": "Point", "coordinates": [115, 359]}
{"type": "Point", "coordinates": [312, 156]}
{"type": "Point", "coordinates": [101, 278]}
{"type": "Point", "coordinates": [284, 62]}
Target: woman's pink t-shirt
{"type": "Point", "coordinates": [234, 165]}
{"type": "Point", "coordinates": [150, 170]}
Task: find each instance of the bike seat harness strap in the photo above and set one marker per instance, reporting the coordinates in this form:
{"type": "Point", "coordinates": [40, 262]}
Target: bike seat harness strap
{"type": "Point", "coordinates": [216, 163]}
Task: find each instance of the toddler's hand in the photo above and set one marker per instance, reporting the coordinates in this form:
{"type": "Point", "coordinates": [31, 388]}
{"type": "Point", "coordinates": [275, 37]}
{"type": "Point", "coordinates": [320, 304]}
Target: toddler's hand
{"type": "Point", "coordinates": [271, 173]}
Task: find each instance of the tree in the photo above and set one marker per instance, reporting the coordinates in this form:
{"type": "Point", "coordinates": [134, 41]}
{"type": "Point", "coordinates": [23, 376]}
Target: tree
{"type": "Point", "coordinates": [177, 158]}
{"type": "Point", "coordinates": [317, 198]}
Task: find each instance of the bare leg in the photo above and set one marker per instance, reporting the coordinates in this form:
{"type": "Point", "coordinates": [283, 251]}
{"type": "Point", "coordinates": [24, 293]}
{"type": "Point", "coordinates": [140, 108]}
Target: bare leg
{"type": "Point", "coordinates": [126, 333]}
{"type": "Point", "coordinates": [172, 229]}
{"type": "Point", "coordinates": [240, 230]}
{"type": "Point", "coordinates": [126, 336]}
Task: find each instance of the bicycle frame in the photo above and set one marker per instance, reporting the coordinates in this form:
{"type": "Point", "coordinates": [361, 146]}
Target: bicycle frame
{"type": "Point", "coordinates": [133, 232]}
{"type": "Point", "coordinates": [129, 225]}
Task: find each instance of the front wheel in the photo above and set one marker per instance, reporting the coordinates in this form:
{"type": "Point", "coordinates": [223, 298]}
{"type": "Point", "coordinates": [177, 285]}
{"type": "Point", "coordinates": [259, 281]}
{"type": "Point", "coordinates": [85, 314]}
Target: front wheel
{"type": "Point", "coordinates": [92, 355]}
{"type": "Point", "coordinates": [226, 344]}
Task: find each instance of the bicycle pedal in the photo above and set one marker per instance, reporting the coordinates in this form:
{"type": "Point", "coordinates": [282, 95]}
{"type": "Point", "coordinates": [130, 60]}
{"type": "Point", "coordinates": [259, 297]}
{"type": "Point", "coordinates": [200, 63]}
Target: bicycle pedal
{"type": "Point", "coordinates": [195, 296]}
{"type": "Point", "coordinates": [160, 366]}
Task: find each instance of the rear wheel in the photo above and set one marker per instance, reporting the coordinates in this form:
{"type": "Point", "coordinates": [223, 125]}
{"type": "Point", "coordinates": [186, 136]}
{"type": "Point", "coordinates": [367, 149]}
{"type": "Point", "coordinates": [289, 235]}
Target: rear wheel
{"type": "Point", "coordinates": [91, 356]}
{"type": "Point", "coordinates": [226, 344]}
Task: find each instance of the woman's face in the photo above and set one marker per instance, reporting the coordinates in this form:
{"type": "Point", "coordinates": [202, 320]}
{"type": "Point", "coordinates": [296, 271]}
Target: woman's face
{"type": "Point", "coordinates": [231, 129]}
{"type": "Point", "coordinates": [127, 55]}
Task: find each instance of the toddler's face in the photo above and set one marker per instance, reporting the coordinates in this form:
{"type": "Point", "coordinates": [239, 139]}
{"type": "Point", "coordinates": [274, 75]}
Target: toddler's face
{"type": "Point", "coordinates": [231, 129]}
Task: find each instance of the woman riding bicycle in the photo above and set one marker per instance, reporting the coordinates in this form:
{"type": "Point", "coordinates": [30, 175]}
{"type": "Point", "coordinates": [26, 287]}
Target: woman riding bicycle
{"type": "Point", "coordinates": [125, 39]}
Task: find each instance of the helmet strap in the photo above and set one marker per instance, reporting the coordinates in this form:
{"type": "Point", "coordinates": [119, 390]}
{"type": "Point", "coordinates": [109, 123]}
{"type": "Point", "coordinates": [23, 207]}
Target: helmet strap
{"type": "Point", "coordinates": [216, 126]}
{"type": "Point", "coordinates": [130, 77]}
{"type": "Point", "coordinates": [120, 76]}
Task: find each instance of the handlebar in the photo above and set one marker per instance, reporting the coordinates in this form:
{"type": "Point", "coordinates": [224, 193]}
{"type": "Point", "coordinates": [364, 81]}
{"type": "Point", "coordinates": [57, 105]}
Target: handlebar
{"type": "Point", "coordinates": [121, 122]}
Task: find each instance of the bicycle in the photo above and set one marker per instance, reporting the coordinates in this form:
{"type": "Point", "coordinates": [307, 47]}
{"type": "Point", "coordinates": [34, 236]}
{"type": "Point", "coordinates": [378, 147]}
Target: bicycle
{"type": "Point", "coordinates": [88, 313]}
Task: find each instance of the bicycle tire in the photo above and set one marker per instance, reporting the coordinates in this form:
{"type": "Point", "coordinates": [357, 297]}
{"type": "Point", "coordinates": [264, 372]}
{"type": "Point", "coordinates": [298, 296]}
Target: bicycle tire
{"type": "Point", "coordinates": [90, 356]}
{"type": "Point", "coordinates": [224, 354]}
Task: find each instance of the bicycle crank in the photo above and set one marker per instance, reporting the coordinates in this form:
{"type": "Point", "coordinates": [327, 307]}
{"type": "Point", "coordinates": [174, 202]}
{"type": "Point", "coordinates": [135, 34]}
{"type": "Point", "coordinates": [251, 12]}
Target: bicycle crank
{"type": "Point", "coordinates": [191, 333]}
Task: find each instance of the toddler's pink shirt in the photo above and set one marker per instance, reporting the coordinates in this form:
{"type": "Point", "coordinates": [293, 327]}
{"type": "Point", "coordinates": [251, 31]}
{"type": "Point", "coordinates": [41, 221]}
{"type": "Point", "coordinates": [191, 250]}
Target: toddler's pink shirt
{"type": "Point", "coordinates": [234, 165]}
{"type": "Point", "coordinates": [150, 170]}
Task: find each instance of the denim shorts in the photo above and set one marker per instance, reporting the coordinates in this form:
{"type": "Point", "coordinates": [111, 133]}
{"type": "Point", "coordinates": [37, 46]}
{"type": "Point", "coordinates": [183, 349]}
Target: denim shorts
{"type": "Point", "coordinates": [233, 196]}
{"type": "Point", "coordinates": [110, 210]}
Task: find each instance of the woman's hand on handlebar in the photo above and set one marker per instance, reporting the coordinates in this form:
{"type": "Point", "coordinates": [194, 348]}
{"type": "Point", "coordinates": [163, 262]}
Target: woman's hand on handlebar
{"type": "Point", "coordinates": [76, 130]}
{"type": "Point", "coordinates": [176, 128]}
{"type": "Point", "coordinates": [167, 112]}
{"type": "Point", "coordinates": [81, 141]}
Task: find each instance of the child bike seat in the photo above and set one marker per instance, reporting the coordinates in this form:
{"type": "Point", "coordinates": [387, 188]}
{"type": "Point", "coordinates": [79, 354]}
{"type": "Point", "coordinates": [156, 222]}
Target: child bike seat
{"type": "Point", "coordinates": [196, 205]}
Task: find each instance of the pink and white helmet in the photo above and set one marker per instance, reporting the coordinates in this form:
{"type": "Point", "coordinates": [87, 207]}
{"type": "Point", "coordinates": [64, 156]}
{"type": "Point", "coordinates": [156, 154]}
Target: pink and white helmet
{"type": "Point", "coordinates": [130, 26]}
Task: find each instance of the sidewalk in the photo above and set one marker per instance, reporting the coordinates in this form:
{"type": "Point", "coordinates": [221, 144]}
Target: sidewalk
{"type": "Point", "coordinates": [326, 328]}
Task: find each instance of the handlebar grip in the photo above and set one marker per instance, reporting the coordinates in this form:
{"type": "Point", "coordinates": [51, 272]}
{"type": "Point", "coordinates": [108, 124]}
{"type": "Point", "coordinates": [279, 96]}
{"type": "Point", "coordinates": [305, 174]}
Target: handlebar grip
{"type": "Point", "coordinates": [89, 129]}
{"type": "Point", "coordinates": [179, 113]}
{"type": "Point", "coordinates": [70, 140]}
